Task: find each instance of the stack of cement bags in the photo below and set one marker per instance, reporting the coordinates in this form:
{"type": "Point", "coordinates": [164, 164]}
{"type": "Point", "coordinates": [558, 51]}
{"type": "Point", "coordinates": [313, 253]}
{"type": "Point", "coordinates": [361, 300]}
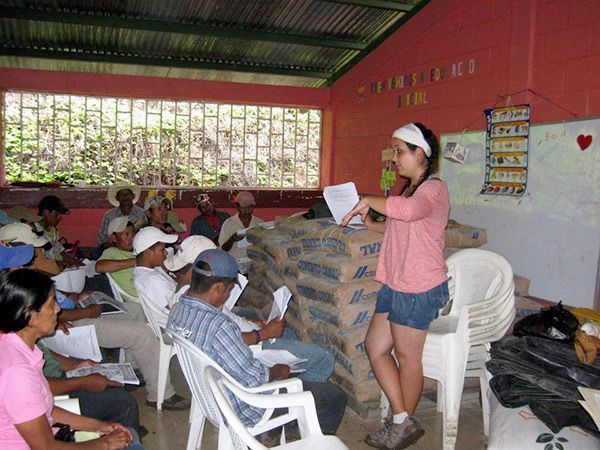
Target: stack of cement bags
{"type": "Point", "coordinates": [330, 271]}
{"type": "Point", "coordinates": [460, 236]}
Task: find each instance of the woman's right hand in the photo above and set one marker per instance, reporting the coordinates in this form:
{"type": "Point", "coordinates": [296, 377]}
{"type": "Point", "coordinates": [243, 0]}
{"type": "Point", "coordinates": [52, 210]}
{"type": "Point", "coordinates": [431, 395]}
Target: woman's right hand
{"type": "Point", "coordinates": [361, 208]}
{"type": "Point", "coordinates": [116, 440]}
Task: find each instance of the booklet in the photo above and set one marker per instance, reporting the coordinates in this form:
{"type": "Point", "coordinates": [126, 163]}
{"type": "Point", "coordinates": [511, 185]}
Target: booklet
{"type": "Point", "coordinates": [341, 199]}
{"type": "Point", "coordinates": [109, 304]}
{"type": "Point", "coordinates": [281, 300]}
{"type": "Point", "coordinates": [271, 357]}
{"type": "Point", "coordinates": [121, 373]}
{"type": "Point", "coordinates": [81, 342]}
{"type": "Point", "coordinates": [235, 293]}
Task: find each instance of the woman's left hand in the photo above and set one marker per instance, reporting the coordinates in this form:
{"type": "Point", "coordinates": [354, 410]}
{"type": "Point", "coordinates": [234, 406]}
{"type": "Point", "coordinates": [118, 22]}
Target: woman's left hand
{"type": "Point", "coordinates": [362, 208]}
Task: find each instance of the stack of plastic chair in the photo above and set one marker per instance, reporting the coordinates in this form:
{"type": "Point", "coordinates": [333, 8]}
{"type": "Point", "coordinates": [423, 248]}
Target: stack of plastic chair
{"type": "Point", "coordinates": [482, 282]}
{"type": "Point", "coordinates": [119, 294]}
{"type": "Point", "coordinates": [194, 363]}
{"type": "Point", "coordinates": [152, 312]}
{"type": "Point", "coordinates": [300, 402]}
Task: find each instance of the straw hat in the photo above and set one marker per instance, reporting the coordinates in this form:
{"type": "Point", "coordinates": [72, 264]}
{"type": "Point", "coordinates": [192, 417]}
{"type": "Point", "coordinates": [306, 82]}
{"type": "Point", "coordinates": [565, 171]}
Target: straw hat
{"type": "Point", "coordinates": [115, 188]}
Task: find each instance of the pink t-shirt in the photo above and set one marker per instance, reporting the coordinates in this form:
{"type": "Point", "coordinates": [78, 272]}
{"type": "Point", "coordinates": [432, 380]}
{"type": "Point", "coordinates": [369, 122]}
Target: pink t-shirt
{"type": "Point", "coordinates": [412, 253]}
{"type": "Point", "coordinates": [24, 392]}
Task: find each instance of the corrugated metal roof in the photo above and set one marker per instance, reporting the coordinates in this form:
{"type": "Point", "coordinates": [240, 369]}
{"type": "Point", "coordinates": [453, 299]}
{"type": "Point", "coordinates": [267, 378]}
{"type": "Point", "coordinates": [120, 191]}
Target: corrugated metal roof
{"type": "Point", "coordinates": [289, 42]}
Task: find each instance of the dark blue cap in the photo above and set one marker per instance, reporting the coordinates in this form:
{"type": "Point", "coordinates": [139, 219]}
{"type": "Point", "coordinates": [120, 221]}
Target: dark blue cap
{"type": "Point", "coordinates": [15, 256]}
{"type": "Point", "coordinates": [221, 263]}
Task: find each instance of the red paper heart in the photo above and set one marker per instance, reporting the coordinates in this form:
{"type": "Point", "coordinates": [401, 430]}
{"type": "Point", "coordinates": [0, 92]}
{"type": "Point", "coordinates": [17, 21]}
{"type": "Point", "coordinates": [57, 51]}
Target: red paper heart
{"type": "Point", "coordinates": [584, 141]}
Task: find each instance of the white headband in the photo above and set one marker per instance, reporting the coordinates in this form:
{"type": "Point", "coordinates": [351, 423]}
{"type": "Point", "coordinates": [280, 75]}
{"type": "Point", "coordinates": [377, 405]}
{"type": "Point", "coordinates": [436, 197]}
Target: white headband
{"type": "Point", "coordinates": [411, 134]}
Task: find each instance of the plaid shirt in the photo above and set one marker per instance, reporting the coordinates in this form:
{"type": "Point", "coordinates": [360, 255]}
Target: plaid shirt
{"type": "Point", "coordinates": [221, 339]}
{"type": "Point", "coordinates": [201, 227]}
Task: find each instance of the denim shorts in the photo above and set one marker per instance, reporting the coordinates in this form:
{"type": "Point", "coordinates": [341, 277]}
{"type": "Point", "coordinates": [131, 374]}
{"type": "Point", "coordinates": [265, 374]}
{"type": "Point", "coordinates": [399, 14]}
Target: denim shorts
{"type": "Point", "coordinates": [412, 310]}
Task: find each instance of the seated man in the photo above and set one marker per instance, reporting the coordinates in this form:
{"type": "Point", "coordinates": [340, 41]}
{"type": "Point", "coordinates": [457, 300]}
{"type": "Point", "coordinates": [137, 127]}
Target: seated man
{"type": "Point", "coordinates": [21, 233]}
{"type": "Point", "coordinates": [118, 259]}
{"type": "Point", "coordinates": [319, 362]}
{"type": "Point", "coordinates": [148, 276]}
{"type": "Point", "coordinates": [127, 330]}
{"type": "Point", "coordinates": [51, 209]}
{"type": "Point", "coordinates": [98, 396]}
{"type": "Point", "coordinates": [123, 197]}
{"type": "Point", "coordinates": [229, 240]}
{"type": "Point", "coordinates": [199, 318]}
{"type": "Point", "coordinates": [210, 221]}
{"type": "Point", "coordinates": [157, 211]}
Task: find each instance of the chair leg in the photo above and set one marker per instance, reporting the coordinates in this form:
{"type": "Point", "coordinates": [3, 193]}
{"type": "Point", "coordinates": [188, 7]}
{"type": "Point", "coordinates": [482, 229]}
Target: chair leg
{"type": "Point", "coordinates": [122, 356]}
{"type": "Point", "coordinates": [439, 398]}
{"type": "Point", "coordinates": [197, 420]}
{"type": "Point", "coordinates": [163, 372]}
{"type": "Point", "coordinates": [485, 404]}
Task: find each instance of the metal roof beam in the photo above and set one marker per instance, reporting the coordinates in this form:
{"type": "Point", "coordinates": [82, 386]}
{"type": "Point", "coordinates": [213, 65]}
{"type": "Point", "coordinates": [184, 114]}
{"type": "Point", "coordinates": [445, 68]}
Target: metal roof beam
{"type": "Point", "coordinates": [379, 4]}
{"type": "Point", "coordinates": [186, 63]}
{"type": "Point", "coordinates": [112, 21]}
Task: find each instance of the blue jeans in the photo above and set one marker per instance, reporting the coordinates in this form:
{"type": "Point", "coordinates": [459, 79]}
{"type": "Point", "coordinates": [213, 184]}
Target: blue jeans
{"type": "Point", "coordinates": [319, 360]}
{"type": "Point", "coordinates": [135, 442]}
{"type": "Point", "coordinates": [111, 405]}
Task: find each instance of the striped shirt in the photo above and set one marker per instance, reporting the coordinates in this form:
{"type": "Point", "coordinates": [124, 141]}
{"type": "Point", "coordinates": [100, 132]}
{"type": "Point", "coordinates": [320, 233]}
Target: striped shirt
{"type": "Point", "coordinates": [412, 253]}
{"type": "Point", "coordinates": [221, 339]}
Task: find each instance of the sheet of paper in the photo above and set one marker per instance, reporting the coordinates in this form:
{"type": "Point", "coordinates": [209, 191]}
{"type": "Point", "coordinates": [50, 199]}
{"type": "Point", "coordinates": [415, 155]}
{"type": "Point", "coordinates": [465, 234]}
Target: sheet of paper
{"type": "Point", "coordinates": [281, 299]}
{"type": "Point", "coordinates": [236, 292]}
{"type": "Point", "coordinates": [271, 357]}
{"type": "Point", "coordinates": [90, 268]}
{"type": "Point", "coordinates": [81, 342]}
{"type": "Point", "coordinates": [267, 225]}
{"type": "Point", "coordinates": [109, 305]}
{"type": "Point", "coordinates": [341, 199]}
{"type": "Point", "coordinates": [122, 373]}
{"type": "Point", "coordinates": [242, 232]}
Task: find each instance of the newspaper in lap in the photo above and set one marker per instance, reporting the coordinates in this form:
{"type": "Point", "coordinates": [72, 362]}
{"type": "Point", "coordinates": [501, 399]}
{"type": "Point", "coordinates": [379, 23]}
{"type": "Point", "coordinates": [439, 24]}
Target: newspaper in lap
{"type": "Point", "coordinates": [271, 357]}
{"type": "Point", "coordinates": [109, 305]}
{"type": "Point", "coordinates": [121, 373]}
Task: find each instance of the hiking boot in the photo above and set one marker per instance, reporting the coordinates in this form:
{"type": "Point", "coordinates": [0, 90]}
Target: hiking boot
{"type": "Point", "coordinates": [403, 435]}
{"type": "Point", "coordinates": [378, 438]}
{"type": "Point", "coordinates": [173, 403]}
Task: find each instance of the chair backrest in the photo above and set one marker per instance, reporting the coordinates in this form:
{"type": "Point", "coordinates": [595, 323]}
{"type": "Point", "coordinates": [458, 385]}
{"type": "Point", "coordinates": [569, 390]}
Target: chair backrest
{"type": "Point", "coordinates": [118, 292]}
{"type": "Point", "coordinates": [240, 437]}
{"type": "Point", "coordinates": [152, 313]}
{"type": "Point", "coordinates": [193, 363]}
{"type": "Point", "coordinates": [476, 275]}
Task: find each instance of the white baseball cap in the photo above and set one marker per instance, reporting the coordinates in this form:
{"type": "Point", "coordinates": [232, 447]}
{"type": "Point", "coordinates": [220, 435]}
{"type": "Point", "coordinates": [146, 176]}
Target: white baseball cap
{"type": "Point", "coordinates": [148, 236]}
{"type": "Point", "coordinates": [189, 249]}
{"type": "Point", "coordinates": [118, 225]}
{"type": "Point", "coordinates": [21, 232]}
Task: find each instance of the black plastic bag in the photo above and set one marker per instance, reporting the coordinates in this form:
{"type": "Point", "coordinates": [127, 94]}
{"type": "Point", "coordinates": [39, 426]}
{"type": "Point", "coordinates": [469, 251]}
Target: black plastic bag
{"type": "Point", "coordinates": [554, 323]}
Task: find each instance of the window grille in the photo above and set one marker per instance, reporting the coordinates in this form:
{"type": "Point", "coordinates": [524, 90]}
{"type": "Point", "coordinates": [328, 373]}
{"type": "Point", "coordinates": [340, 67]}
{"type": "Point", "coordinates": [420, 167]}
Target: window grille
{"type": "Point", "coordinates": [95, 141]}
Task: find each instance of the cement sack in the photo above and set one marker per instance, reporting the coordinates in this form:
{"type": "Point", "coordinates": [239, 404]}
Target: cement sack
{"type": "Point", "coordinates": [369, 412]}
{"type": "Point", "coordinates": [342, 318]}
{"type": "Point", "coordinates": [337, 267]}
{"type": "Point", "coordinates": [255, 298]}
{"type": "Point", "coordinates": [359, 367]}
{"type": "Point", "coordinates": [258, 267]}
{"type": "Point", "coordinates": [281, 248]}
{"type": "Point", "coordinates": [521, 285]}
{"type": "Point", "coordinates": [255, 235]}
{"type": "Point", "coordinates": [327, 236]}
{"type": "Point", "coordinates": [338, 294]}
{"type": "Point", "coordinates": [297, 226]}
{"type": "Point", "coordinates": [298, 308]}
{"type": "Point", "coordinates": [350, 342]}
{"type": "Point", "coordinates": [300, 330]}
{"type": "Point", "coordinates": [273, 280]}
{"type": "Point", "coordinates": [363, 390]}
{"type": "Point", "coordinates": [464, 236]}
{"type": "Point", "coordinates": [260, 284]}
{"type": "Point", "coordinates": [256, 253]}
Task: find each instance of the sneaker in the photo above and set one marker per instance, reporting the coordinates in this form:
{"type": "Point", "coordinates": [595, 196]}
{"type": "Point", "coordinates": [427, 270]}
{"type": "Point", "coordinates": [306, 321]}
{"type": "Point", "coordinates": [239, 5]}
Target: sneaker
{"type": "Point", "coordinates": [403, 435]}
{"type": "Point", "coordinates": [173, 403]}
{"type": "Point", "coordinates": [378, 439]}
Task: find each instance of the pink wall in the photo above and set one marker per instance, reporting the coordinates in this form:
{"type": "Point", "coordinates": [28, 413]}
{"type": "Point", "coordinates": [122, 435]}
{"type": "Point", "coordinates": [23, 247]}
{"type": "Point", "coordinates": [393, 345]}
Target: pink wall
{"type": "Point", "coordinates": [551, 47]}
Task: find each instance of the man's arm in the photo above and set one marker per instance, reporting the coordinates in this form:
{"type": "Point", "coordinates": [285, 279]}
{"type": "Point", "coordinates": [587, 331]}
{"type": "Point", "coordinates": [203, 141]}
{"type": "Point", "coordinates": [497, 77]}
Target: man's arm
{"type": "Point", "coordinates": [89, 312]}
{"type": "Point", "coordinates": [273, 329]}
{"type": "Point", "coordinates": [90, 383]}
{"type": "Point", "coordinates": [114, 265]}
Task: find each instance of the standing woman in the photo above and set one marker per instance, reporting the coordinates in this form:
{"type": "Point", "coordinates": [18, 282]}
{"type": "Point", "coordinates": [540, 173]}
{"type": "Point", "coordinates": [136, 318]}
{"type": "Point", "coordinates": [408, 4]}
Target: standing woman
{"type": "Point", "coordinates": [414, 276]}
{"type": "Point", "coordinates": [28, 311]}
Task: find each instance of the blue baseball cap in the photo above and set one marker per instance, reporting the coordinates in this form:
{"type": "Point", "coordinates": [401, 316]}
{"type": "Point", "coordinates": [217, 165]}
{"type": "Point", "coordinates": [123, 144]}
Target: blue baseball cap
{"type": "Point", "coordinates": [221, 263]}
{"type": "Point", "coordinates": [15, 256]}
{"type": "Point", "coordinates": [4, 219]}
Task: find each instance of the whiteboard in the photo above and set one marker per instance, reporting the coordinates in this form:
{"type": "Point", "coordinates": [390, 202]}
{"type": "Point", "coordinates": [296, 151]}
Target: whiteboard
{"type": "Point", "coordinates": [551, 235]}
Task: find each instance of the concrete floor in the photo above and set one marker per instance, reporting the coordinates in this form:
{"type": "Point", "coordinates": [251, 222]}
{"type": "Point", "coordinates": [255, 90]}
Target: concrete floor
{"type": "Point", "coordinates": [169, 430]}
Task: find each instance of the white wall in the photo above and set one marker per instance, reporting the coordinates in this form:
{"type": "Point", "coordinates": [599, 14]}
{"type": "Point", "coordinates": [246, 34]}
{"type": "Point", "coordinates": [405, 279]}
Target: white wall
{"type": "Point", "coordinates": [551, 235]}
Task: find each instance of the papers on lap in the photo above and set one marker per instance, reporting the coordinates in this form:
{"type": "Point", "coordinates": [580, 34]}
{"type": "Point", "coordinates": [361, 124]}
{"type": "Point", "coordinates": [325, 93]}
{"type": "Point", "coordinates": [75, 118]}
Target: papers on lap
{"type": "Point", "coordinates": [109, 305]}
{"type": "Point", "coordinates": [81, 342]}
{"type": "Point", "coordinates": [271, 357]}
{"type": "Point", "coordinates": [121, 373]}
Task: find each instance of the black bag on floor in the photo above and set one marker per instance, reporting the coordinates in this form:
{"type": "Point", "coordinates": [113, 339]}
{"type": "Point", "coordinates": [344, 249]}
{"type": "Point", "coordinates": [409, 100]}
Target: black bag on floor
{"type": "Point", "coordinates": [554, 323]}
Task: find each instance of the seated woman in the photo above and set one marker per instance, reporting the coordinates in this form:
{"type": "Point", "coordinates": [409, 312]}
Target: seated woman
{"type": "Point", "coordinates": [28, 311]}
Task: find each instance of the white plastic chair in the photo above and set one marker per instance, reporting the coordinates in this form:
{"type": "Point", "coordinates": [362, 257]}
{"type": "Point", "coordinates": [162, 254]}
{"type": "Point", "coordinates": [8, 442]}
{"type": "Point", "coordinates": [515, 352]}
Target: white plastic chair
{"type": "Point", "coordinates": [301, 402]}
{"type": "Point", "coordinates": [152, 312]}
{"type": "Point", "coordinates": [119, 294]}
{"type": "Point", "coordinates": [193, 363]}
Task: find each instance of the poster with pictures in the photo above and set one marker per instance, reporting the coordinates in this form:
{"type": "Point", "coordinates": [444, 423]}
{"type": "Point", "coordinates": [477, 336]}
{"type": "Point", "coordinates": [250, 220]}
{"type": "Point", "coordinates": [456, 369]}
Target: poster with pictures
{"type": "Point", "coordinates": [507, 144]}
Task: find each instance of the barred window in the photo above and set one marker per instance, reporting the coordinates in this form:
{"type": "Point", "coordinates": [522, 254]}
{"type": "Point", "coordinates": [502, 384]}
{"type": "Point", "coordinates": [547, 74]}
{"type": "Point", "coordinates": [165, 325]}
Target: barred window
{"type": "Point", "coordinates": [96, 141]}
